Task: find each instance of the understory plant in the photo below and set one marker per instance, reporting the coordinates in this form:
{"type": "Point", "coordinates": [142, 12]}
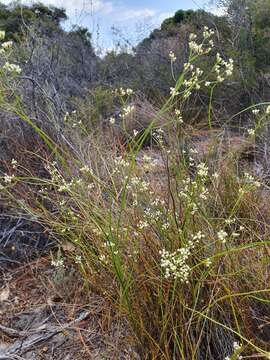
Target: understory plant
{"type": "Point", "coordinates": [175, 240]}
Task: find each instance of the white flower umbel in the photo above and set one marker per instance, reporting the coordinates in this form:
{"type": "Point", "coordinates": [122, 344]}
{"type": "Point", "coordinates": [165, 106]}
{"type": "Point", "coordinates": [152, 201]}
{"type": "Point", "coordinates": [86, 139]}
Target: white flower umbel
{"type": "Point", "coordinates": [12, 68]}
{"type": "Point", "coordinates": [7, 45]}
{"type": "Point", "coordinates": [128, 109]}
{"type": "Point", "coordinates": [123, 92]}
{"type": "Point", "coordinates": [251, 132]}
{"type": "Point", "coordinates": [9, 178]}
{"type": "Point", "coordinates": [58, 263]}
{"type": "Point", "coordinates": [175, 265]}
{"type": "Point", "coordinates": [202, 170]}
{"type": "Point", "coordinates": [222, 236]}
{"type": "Point", "coordinates": [172, 56]}
{"type": "Point", "coordinates": [173, 92]}
{"type": "Point", "coordinates": [207, 33]}
{"type": "Point", "coordinates": [112, 120]}
{"type": "Point", "coordinates": [255, 111]}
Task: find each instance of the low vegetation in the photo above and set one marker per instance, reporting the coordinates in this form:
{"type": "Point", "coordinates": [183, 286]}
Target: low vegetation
{"type": "Point", "coordinates": [166, 214]}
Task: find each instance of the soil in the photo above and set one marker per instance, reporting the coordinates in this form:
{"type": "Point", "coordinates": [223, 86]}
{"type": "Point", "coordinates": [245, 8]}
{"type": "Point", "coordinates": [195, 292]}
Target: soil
{"type": "Point", "coordinates": [45, 315]}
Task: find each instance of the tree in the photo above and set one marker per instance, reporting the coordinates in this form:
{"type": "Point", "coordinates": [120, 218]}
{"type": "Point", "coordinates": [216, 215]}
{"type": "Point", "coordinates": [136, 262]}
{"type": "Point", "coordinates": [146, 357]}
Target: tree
{"type": "Point", "coordinates": [15, 17]}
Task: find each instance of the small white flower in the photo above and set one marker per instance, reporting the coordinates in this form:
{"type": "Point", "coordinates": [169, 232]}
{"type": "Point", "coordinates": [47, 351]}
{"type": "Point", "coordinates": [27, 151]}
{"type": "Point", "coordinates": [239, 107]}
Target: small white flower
{"type": "Point", "coordinates": [128, 109]}
{"type": "Point", "coordinates": [112, 120]}
{"type": "Point", "coordinates": [173, 92]}
{"type": "Point", "coordinates": [7, 45]}
{"type": "Point", "coordinates": [9, 178]}
{"type": "Point", "coordinates": [222, 235]}
{"type": "Point", "coordinates": [14, 163]}
{"type": "Point", "coordinates": [220, 78]}
{"type": "Point", "coordinates": [58, 263]}
{"type": "Point", "coordinates": [202, 170]}
{"type": "Point", "coordinates": [236, 345]}
{"type": "Point", "coordinates": [78, 259]}
{"type": "Point", "coordinates": [172, 56]}
{"type": "Point", "coordinates": [251, 132]}
{"type": "Point", "coordinates": [129, 92]}
{"type": "Point", "coordinates": [255, 111]}
{"type": "Point", "coordinates": [192, 36]}
{"type": "Point", "coordinates": [12, 68]}
{"type": "Point", "coordinates": [208, 262]}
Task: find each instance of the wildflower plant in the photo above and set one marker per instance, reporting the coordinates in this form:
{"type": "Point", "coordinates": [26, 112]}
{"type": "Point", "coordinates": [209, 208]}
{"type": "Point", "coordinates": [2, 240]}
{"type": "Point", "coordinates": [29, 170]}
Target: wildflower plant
{"type": "Point", "coordinates": [167, 246]}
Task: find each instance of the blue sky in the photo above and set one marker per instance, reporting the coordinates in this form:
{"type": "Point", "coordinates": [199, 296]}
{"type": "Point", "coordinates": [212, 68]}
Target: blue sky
{"type": "Point", "coordinates": [134, 18]}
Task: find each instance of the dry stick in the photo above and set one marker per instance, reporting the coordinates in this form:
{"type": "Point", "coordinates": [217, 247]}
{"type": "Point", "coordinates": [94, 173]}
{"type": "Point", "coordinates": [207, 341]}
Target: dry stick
{"type": "Point", "coordinates": [35, 336]}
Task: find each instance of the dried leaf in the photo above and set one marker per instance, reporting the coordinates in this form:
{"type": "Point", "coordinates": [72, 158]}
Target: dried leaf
{"type": "Point", "coordinates": [4, 294]}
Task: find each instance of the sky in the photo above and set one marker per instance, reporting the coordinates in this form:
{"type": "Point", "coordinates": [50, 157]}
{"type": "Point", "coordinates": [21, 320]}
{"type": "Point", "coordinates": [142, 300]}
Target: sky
{"type": "Point", "coordinates": [133, 19]}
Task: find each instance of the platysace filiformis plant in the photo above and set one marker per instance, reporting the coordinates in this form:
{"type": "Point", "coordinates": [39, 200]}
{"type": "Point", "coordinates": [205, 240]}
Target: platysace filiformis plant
{"type": "Point", "coordinates": [163, 240]}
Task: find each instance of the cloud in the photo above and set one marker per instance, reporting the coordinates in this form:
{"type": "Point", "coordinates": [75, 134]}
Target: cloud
{"type": "Point", "coordinates": [219, 11]}
{"type": "Point", "coordinates": [88, 6]}
{"type": "Point", "coordinates": [127, 14]}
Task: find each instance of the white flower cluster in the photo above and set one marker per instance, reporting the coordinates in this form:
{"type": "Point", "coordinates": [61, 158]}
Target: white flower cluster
{"type": "Point", "coordinates": [14, 163]}
{"type": "Point", "coordinates": [138, 184]}
{"type": "Point", "coordinates": [128, 109]}
{"type": "Point", "coordinates": [194, 81]}
{"type": "Point", "coordinates": [207, 44]}
{"type": "Point", "coordinates": [202, 170]}
{"type": "Point", "coordinates": [143, 224]}
{"type": "Point", "coordinates": [249, 179]}
{"type": "Point", "coordinates": [222, 236]}
{"type": "Point", "coordinates": [78, 259]}
{"type": "Point", "coordinates": [179, 116]}
{"type": "Point", "coordinates": [8, 179]}
{"type": "Point", "coordinates": [120, 164]}
{"type": "Point", "coordinates": [59, 180]}
{"type": "Point", "coordinates": [223, 69]}
{"type": "Point", "coordinates": [172, 56]}
{"type": "Point", "coordinates": [251, 132]}
{"type": "Point", "coordinates": [86, 170]}
{"type": "Point", "coordinates": [123, 92]}
{"type": "Point", "coordinates": [153, 214]}
{"type": "Point", "coordinates": [58, 263]}
{"type": "Point", "coordinates": [12, 68]}
{"type": "Point", "coordinates": [7, 45]}
{"type": "Point", "coordinates": [72, 119]}
{"type": "Point", "coordinates": [236, 350]}
{"type": "Point", "coordinates": [175, 264]}
{"type": "Point", "coordinates": [207, 33]}
{"type": "Point", "coordinates": [255, 111]}
{"type": "Point", "coordinates": [194, 193]}
{"type": "Point", "coordinates": [158, 134]}
{"type": "Point", "coordinates": [174, 92]}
